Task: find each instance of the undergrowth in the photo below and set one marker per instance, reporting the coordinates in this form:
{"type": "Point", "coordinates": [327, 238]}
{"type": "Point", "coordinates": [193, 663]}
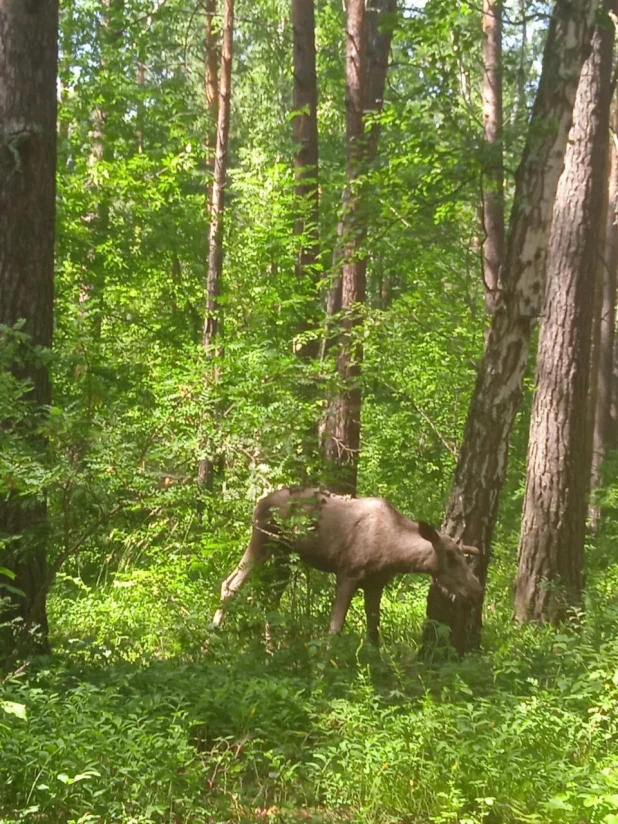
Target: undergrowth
{"type": "Point", "coordinates": [146, 715]}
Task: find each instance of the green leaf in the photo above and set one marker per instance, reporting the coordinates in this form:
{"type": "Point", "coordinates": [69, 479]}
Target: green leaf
{"type": "Point", "coordinates": [13, 708]}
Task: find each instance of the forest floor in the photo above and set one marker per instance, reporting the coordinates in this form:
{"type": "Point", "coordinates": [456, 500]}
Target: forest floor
{"type": "Point", "coordinates": [143, 714]}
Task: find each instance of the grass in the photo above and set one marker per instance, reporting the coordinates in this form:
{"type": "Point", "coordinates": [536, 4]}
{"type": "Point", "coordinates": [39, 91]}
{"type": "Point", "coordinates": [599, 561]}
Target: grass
{"type": "Point", "coordinates": [144, 715]}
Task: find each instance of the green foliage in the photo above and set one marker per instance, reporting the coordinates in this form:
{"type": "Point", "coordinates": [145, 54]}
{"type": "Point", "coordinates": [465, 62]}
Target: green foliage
{"type": "Point", "coordinates": [147, 715]}
{"type": "Point", "coordinates": [144, 714]}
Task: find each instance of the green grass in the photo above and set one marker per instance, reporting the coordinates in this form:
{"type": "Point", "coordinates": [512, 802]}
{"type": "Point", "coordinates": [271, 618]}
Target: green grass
{"type": "Point", "coordinates": [144, 715]}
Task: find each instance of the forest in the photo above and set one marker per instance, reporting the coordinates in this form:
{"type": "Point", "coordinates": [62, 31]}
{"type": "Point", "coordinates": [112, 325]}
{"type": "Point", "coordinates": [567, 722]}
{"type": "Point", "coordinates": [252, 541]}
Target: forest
{"type": "Point", "coordinates": [332, 281]}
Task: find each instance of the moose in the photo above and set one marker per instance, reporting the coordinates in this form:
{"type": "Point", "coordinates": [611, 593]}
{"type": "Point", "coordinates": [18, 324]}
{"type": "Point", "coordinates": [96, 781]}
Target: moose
{"type": "Point", "coordinates": [365, 542]}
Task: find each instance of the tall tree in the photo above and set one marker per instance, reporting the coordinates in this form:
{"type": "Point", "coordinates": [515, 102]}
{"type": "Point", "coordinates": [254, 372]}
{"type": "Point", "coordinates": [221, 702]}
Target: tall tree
{"type": "Point", "coordinates": [608, 264]}
{"type": "Point", "coordinates": [369, 35]}
{"type": "Point", "coordinates": [211, 95]}
{"type": "Point", "coordinates": [380, 26]}
{"type": "Point", "coordinates": [305, 123]}
{"type": "Point", "coordinates": [551, 550]}
{"type": "Point", "coordinates": [212, 319]}
{"type": "Point", "coordinates": [28, 70]}
{"type": "Point", "coordinates": [493, 164]}
{"type": "Point", "coordinates": [472, 508]}
{"type": "Point", "coordinates": [215, 235]}
{"type": "Point", "coordinates": [343, 423]}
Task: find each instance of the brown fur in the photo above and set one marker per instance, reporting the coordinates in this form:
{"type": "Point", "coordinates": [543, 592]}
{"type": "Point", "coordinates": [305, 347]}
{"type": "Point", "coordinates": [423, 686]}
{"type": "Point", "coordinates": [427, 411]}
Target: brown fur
{"type": "Point", "coordinates": [365, 542]}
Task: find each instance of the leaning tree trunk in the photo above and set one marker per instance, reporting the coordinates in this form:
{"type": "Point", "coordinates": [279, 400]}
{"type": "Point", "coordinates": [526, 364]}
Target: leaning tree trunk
{"type": "Point", "coordinates": [551, 551]}
{"type": "Point", "coordinates": [473, 503]}
{"type": "Point", "coordinates": [602, 438]}
{"type": "Point", "coordinates": [492, 249]}
{"type": "Point", "coordinates": [342, 439]}
{"type": "Point", "coordinates": [28, 69]}
{"type": "Point", "coordinates": [212, 318]}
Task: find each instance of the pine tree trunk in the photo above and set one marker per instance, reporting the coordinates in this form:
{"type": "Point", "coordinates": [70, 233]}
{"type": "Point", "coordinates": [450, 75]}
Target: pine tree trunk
{"type": "Point", "coordinates": [215, 235]}
{"type": "Point", "coordinates": [473, 503]}
{"type": "Point", "coordinates": [369, 35]}
{"type": "Point", "coordinates": [211, 96]}
{"type": "Point", "coordinates": [380, 23]}
{"type": "Point", "coordinates": [28, 70]}
{"type": "Point", "coordinates": [343, 423]}
{"type": "Point", "coordinates": [212, 320]}
{"type": "Point", "coordinates": [305, 125]}
{"type": "Point", "coordinates": [492, 249]}
{"type": "Point", "coordinates": [551, 551]}
{"type": "Point", "coordinates": [608, 265]}
{"type": "Point", "coordinates": [205, 468]}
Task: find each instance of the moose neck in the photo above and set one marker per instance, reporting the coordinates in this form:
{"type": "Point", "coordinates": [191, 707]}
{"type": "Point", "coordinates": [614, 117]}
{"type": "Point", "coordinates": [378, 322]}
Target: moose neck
{"type": "Point", "coordinates": [413, 553]}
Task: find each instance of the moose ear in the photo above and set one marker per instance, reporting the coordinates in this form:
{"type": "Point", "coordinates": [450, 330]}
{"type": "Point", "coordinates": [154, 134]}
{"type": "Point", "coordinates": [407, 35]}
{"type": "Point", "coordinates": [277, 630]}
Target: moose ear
{"type": "Point", "coordinates": [428, 533]}
{"type": "Point", "coordinates": [470, 550]}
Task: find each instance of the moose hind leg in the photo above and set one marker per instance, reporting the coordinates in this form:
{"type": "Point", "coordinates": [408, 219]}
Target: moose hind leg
{"type": "Point", "coordinates": [277, 581]}
{"type": "Point", "coordinates": [373, 596]}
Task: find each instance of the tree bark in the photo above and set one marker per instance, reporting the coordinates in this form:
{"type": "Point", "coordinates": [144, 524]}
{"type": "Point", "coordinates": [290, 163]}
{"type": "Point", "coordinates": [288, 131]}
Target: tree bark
{"type": "Point", "coordinates": [28, 70]}
{"type": "Point", "coordinates": [215, 235]}
{"type": "Point", "coordinates": [380, 22]}
{"type": "Point", "coordinates": [212, 318]}
{"type": "Point", "coordinates": [608, 264]}
{"type": "Point", "coordinates": [342, 440]}
{"type": "Point", "coordinates": [369, 35]}
{"type": "Point", "coordinates": [492, 250]}
{"type": "Point", "coordinates": [473, 503]}
{"type": "Point", "coordinates": [305, 125]}
{"type": "Point", "coordinates": [551, 550]}
{"type": "Point", "coordinates": [211, 97]}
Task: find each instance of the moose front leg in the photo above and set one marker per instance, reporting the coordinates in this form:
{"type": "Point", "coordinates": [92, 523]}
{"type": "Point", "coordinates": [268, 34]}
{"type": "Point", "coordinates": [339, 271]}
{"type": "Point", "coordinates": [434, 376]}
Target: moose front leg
{"type": "Point", "coordinates": [346, 587]}
{"type": "Point", "coordinates": [234, 582]}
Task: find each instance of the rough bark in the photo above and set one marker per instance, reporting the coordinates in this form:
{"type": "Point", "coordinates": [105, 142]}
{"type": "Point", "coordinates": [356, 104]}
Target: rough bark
{"type": "Point", "coordinates": [473, 503]}
{"type": "Point", "coordinates": [215, 234]}
{"type": "Point", "coordinates": [212, 318]}
{"type": "Point", "coordinates": [211, 95]}
{"type": "Point", "coordinates": [613, 439]}
{"type": "Point", "coordinates": [28, 70]}
{"type": "Point", "coordinates": [369, 35]}
{"type": "Point", "coordinates": [211, 105]}
{"type": "Point", "coordinates": [492, 250]}
{"type": "Point", "coordinates": [608, 264]}
{"type": "Point", "coordinates": [343, 422]}
{"type": "Point", "coordinates": [551, 550]}
{"type": "Point", "coordinates": [305, 126]}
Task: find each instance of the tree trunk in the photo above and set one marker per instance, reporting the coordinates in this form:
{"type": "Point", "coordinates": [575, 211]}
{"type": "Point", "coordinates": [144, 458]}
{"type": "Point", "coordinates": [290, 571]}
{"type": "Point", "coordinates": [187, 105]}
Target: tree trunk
{"type": "Point", "coordinates": [28, 70]}
{"type": "Point", "coordinates": [211, 97]}
{"type": "Point", "coordinates": [551, 550]}
{"type": "Point", "coordinates": [473, 503]}
{"type": "Point", "coordinates": [343, 423]}
{"type": "Point", "coordinates": [215, 235]}
{"type": "Point", "coordinates": [608, 264]}
{"type": "Point", "coordinates": [212, 318]}
{"type": "Point", "coordinates": [211, 104]}
{"type": "Point", "coordinates": [369, 35]}
{"type": "Point", "coordinates": [305, 124]}
{"type": "Point", "coordinates": [380, 23]}
{"type": "Point", "coordinates": [492, 249]}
